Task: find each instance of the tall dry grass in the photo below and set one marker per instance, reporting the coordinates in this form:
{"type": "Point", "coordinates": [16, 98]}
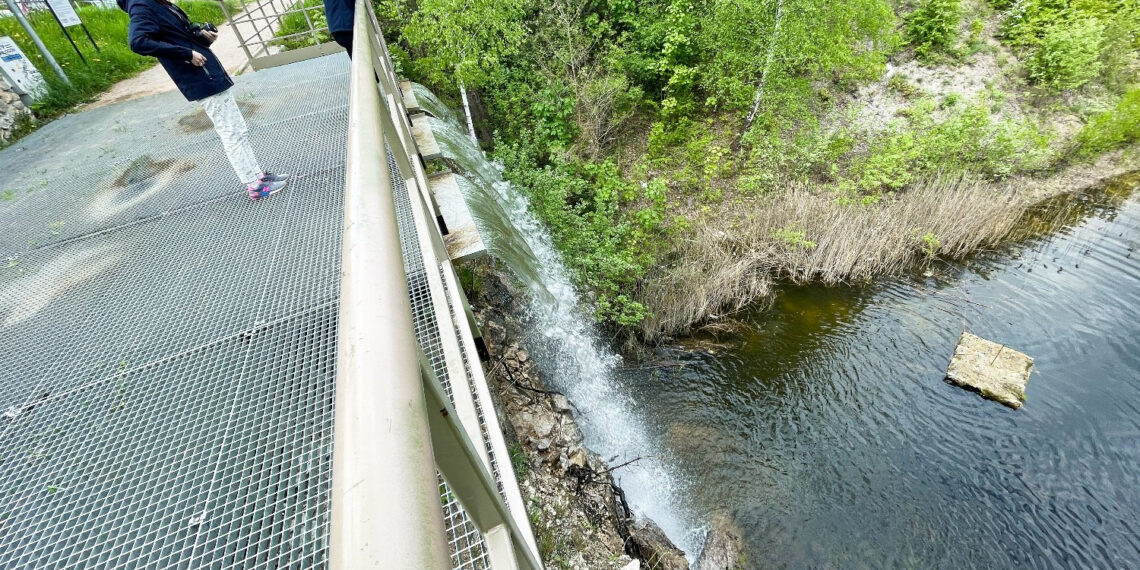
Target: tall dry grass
{"type": "Point", "coordinates": [809, 236]}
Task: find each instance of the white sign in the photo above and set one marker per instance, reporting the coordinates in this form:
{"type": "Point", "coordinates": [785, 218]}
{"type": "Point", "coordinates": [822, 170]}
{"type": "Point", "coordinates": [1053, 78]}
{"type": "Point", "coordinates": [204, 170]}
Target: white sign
{"type": "Point", "coordinates": [65, 13]}
{"type": "Point", "coordinates": [18, 70]}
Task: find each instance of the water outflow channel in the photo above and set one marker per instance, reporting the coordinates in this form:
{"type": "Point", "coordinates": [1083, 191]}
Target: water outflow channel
{"type": "Point", "coordinates": [561, 334]}
{"type": "Point", "coordinates": [827, 431]}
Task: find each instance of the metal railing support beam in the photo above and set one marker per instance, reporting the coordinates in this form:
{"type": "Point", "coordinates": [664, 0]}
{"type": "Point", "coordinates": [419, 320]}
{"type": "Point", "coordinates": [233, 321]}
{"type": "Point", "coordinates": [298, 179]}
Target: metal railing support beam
{"type": "Point", "coordinates": [385, 502]}
{"type": "Point", "coordinates": [463, 469]}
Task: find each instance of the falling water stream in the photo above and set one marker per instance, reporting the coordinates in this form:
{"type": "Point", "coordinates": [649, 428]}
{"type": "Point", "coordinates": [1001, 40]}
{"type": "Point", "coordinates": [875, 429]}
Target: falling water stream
{"type": "Point", "coordinates": [561, 334]}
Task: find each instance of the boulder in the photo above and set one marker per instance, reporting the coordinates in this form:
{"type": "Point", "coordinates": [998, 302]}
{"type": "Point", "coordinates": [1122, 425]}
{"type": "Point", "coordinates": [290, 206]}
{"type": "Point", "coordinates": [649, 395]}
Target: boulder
{"type": "Point", "coordinates": [993, 370]}
{"type": "Point", "coordinates": [648, 542]}
{"type": "Point", "coordinates": [724, 546]}
{"type": "Point", "coordinates": [561, 404]}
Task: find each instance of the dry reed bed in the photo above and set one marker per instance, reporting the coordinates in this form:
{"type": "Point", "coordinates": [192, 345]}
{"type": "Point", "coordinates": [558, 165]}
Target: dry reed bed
{"type": "Point", "coordinates": [809, 236]}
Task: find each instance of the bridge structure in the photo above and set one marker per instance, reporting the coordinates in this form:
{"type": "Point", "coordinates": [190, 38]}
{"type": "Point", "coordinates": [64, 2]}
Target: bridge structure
{"type": "Point", "coordinates": [192, 380]}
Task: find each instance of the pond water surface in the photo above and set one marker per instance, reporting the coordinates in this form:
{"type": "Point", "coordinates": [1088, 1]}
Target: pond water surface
{"type": "Point", "coordinates": [827, 430]}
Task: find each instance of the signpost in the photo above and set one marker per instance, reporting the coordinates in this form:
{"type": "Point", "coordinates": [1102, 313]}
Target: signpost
{"type": "Point", "coordinates": [65, 14]}
{"type": "Point", "coordinates": [18, 71]}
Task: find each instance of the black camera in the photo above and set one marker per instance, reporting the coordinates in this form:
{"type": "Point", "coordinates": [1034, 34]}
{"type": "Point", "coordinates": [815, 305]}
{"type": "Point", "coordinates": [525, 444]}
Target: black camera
{"type": "Point", "coordinates": [197, 30]}
{"type": "Point", "coordinates": [204, 27]}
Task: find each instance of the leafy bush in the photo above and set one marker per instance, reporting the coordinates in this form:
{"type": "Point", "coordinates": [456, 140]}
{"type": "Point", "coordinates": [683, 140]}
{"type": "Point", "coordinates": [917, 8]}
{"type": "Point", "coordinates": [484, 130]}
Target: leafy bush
{"type": "Point", "coordinates": [967, 140]}
{"type": "Point", "coordinates": [933, 27]}
{"type": "Point", "coordinates": [1113, 128]}
{"type": "Point", "coordinates": [1060, 40]}
{"type": "Point", "coordinates": [606, 227]}
{"type": "Point", "coordinates": [553, 111]}
{"type": "Point", "coordinates": [835, 41]}
{"type": "Point", "coordinates": [1068, 56]}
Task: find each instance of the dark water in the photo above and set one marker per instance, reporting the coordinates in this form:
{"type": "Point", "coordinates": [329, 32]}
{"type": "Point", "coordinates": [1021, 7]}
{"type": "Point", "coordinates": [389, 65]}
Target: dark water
{"type": "Point", "coordinates": [828, 431]}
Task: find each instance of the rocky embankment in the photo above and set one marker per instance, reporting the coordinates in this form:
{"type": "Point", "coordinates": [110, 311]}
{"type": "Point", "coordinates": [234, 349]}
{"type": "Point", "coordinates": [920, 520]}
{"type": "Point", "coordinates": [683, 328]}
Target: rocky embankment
{"type": "Point", "coordinates": [579, 515]}
{"type": "Point", "coordinates": [12, 111]}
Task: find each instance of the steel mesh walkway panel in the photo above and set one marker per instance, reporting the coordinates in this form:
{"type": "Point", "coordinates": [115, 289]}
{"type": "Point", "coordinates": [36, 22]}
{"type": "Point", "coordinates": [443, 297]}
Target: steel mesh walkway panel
{"type": "Point", "coordinates": [73, 202]}
{"type": "Point", "coordinates": [167, 372]}
{"type": "Point", "coordinates": [272, 481]}
{"type": "Point", "coordinates": [115, 475]}
{"type": "Point", "coordinates": [167, 349]}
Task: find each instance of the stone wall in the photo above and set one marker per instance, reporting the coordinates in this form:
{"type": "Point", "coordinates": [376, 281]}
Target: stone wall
{"type": "Point", "coordinates": [11, 109]}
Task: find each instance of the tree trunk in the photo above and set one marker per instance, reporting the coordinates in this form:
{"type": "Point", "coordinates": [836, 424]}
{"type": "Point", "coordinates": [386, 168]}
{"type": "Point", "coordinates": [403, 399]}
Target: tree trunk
{"type": "Point", "coordinates": [767, 65]}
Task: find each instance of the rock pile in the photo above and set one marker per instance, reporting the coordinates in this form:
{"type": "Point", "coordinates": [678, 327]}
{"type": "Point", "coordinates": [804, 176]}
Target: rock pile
{"type": "Point", "coordinates": [12, 109]}
{"type": "Point", "coordinates": [580, 517]}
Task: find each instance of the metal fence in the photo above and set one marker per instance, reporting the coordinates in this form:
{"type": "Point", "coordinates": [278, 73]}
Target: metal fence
{"type": "Point", "coordinates": [279, 32]}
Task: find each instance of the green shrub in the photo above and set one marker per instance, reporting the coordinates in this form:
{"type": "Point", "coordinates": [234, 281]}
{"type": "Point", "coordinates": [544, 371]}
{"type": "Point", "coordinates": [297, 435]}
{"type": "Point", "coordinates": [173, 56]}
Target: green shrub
{"type": "Point", "coordinates": [933, 27]}
{"type": "Point", "coordinates": [1068, 56]}
{"type": "Point", "coordinates": [969, 139]}
{"type": "Point", "coordinates": [553, 112]}
{"type": "Point", "coordinates": [1060, 39]}
{"type": "Point", "coordinates": [1113, 128]}
{"type": "Point", "coordinates": [606, 227]}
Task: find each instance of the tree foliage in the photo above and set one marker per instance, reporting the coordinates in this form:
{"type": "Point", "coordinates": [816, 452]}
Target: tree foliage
{"type": "Point", "coordinates": [467, 38]}
{"type": "Point", "coordinates": [623, 119]}
{"type": "Point", "coordinates": [1067, 43]}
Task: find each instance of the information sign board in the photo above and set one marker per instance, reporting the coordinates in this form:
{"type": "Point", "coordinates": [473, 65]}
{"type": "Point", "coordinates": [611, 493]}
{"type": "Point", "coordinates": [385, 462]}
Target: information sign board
{"type": "Point", "coordinates": [65, 12]}
{"type": "Point", "coordinates": [18, 70]}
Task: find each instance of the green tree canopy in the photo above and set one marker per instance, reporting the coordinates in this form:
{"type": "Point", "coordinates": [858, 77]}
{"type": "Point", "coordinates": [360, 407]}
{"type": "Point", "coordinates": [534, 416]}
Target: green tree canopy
{"type": "Point", "coordinates": [467, 38]}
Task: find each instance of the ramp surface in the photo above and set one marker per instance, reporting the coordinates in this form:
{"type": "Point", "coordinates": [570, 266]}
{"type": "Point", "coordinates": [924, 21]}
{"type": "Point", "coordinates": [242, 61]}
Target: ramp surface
{"type": "Point", "coordinates": [167, 348]}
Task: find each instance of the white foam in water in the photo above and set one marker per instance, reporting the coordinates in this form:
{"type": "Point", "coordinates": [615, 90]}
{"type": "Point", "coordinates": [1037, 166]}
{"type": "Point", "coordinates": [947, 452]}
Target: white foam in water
{"type": "Point", "coordinates": [564, 340]}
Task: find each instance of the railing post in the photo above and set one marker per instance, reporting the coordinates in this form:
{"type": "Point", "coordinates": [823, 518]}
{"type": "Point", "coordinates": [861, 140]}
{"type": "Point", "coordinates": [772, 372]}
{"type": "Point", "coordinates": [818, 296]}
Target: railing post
{"type": "Point", "coordinates": [385, 502]}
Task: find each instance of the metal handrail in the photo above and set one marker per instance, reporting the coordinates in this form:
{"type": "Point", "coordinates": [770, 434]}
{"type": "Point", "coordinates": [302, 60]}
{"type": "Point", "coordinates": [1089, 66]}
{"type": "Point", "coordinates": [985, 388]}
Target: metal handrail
{"type": "Point", "coordinates": [385, 500]}
{"type": "Point", "coordinates": [394, 425]}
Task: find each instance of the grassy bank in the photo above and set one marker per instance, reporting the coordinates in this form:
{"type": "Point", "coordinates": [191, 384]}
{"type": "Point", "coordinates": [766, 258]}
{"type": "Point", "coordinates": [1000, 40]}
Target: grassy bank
{"type": "Point", "coordinates": [687, 154]}
{"type": "Point", "coordinates": [112, 63]}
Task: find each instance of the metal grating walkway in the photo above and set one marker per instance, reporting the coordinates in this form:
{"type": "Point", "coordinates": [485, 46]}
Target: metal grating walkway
{"type": "Point", "coordinates": [167, 348]}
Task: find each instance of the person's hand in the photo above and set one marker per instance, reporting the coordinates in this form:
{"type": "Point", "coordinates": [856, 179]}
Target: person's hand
{"type": "Point", "coordinates": [197, 59]}
{"type": "Point", "coordinates": [209, 36]}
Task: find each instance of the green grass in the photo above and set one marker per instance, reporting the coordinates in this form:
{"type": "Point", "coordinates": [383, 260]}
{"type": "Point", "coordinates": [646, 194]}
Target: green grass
{"type": "Point", "coordinates": [296, 23]}
{"type": "Point", "coordinates": [112, 63]}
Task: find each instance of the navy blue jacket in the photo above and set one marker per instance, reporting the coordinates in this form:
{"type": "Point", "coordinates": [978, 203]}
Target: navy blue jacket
{"type": "Point", "coordinates": [338, 13]}
{"type": "Point", "coordinates": [157, 31]}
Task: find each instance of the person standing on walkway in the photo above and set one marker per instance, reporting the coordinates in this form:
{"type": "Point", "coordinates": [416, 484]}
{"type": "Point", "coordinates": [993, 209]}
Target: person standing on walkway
{"type": "Point", "coordinates": [340, 15]}
{"type": "Point", "coordinates": [162, 30]}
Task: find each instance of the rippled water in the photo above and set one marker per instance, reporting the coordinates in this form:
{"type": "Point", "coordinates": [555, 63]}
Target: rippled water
{"type": "Point", "coordinates": [828, 431]}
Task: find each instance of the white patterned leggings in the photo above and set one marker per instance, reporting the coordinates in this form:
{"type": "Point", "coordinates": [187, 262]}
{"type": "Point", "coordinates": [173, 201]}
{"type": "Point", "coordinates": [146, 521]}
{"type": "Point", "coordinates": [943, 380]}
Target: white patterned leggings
{"type": "Point", "coordinates": [230, 125]}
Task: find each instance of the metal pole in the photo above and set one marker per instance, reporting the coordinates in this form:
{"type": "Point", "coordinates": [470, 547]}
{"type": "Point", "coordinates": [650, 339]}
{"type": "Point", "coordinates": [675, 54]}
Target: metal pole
{"type": "Point", "coordinates": [36, 40]}
{"type": "Point", "coordinates": [386, 511]}
{"type": "Point", "coordinates": [68, 35]}
{"type": "Point", "coordinates": [88, 32]}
